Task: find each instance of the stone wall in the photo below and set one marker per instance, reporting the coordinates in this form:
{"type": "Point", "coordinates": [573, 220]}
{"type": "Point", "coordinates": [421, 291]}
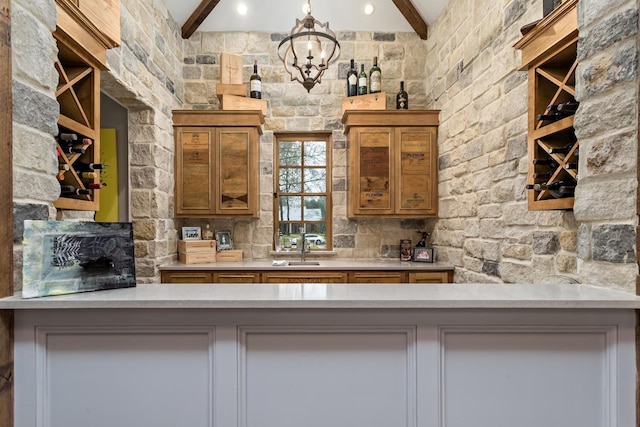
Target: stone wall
{"type": "Point", "coordinates": [607, 127]}
{"type": "Point", "coordinates": [291, 108]}
{"type": "Point", "coordinates": [485, 228]}
{"type": "Point", "coordinates": [35, 117]}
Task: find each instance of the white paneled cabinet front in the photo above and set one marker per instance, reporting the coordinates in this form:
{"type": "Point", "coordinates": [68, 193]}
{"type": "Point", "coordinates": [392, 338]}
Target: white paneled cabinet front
{"type": "Point", "coordinates": [317, 368]}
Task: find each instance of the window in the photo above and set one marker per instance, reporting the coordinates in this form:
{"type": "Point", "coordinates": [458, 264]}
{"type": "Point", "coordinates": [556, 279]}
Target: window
{"type": "Point", "coordinates": [302, 199]}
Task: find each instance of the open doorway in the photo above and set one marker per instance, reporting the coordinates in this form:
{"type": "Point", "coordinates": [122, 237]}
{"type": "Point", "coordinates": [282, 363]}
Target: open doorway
{"type": "Point", "coordinates": [114, 154]}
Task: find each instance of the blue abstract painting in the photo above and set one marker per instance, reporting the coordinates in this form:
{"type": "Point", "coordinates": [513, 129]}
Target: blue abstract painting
{"type": "Point", "coordinates": [62, 257]}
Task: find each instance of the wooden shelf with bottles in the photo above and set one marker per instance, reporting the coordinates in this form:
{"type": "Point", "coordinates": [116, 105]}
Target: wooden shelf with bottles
{"type": "Point", "coordinates": [549, 54]}
{"type": "Point", "coordinates": [84, 32]}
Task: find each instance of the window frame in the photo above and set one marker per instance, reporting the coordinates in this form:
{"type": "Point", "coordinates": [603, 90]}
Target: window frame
{"type": "Point", "coordinates": [304, 137]}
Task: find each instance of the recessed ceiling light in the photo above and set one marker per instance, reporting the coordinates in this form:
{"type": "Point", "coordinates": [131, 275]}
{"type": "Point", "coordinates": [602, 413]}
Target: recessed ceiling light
{"type": "Point", "coordinates": [242, 9]}
{"type": "Point", "coordinates": [368, 9]}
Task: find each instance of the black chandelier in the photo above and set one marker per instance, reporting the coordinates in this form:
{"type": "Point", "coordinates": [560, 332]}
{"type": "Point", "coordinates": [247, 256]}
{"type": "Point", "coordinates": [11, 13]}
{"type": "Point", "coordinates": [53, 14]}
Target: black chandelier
{"type": "Point", "coordinates": [309, 40]}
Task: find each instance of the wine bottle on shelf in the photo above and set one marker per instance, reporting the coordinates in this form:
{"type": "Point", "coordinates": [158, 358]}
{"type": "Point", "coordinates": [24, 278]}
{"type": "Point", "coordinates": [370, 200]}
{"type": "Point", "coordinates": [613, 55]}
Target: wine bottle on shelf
{"type": "Point", "coordinates": [352, 80]}
{"type": "Point", "coordinates": [255, 83]}
{"type": "Point", "coordinates": [88, 175]}
{"type": "Point", "coordinates": [568, 108]}
{"type": "Point", "coordinates": [70, 149]}
{"type": "Point", "coordinates": [402, 98]}
{"type": "Point", "coordinates": [67, 137]}
{"type": "Point", "coordinates": [362, 81]}
{"type": "Point", "coordinates": [571, 165]}
{"type": "Point", "coordinates": [375, 77]}
{"type": "Point", "coordinates": [87, 167]}
{"type": "Point", "coordinates": [545, 175]}
{"type": "Point", "coordinates": [561, 150]}
{"type": "Point", "coordinates": [545, 162]}
{"type": "Point", "coordinates": [95, 186]}
{"type": "Point", "coordinates": [70, 190]}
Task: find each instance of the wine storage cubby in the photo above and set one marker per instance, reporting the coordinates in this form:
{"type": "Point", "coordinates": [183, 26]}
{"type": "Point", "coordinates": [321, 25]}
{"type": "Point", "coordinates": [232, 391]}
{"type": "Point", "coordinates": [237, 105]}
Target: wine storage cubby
{"type": "Point", "coordinates": [549, 54]}
{"type": "Point", "coordinates": [78, 139]}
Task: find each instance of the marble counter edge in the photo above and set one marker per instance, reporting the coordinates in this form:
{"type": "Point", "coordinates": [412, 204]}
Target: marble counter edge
{"type": "Point", "coordinates": [325, 265]}
{"type": "Point", "coordinates": [340, 296]}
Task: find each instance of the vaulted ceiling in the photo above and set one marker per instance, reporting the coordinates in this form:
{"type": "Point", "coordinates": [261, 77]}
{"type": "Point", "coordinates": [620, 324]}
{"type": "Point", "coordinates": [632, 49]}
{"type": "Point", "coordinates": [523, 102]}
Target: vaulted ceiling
{"type": "Point", "coordinates": [280, 15]}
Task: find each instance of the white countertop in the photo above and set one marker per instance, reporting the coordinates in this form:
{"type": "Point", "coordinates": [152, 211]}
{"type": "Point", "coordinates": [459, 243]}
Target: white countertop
{"type": "Point", "coordinates": [338, 296]}
{"type": "Point", "coordinates": [324, 264]}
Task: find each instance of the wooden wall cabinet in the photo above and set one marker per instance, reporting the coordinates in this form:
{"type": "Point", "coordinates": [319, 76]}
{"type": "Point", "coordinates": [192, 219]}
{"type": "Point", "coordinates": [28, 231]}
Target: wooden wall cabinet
{"type": "Point", "coordinates": [549, 54]}
{"type": "Point", "coordinates": [393, 163]}
{"type": "Point", "coordinates": [216, 166]}
{"type": "Point", "coordinates": [84, 32]}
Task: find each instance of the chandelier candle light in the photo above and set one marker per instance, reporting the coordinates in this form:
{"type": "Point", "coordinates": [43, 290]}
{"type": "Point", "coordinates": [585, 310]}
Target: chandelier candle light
{"type": "Point", "coordinates": [309, 39]}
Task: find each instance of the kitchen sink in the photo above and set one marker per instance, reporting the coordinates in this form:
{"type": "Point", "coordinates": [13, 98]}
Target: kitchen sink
{"type": "Point", "coordinates": [304, 263]}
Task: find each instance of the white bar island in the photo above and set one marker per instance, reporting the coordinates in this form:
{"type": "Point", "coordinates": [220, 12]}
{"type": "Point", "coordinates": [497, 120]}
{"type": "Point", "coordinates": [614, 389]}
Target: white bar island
{"type": "Point", "coordinates": [307, 355]}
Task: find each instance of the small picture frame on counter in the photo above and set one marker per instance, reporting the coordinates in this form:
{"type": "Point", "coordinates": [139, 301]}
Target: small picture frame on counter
{"type": "Point", "coordinates": [223, 240]}
{"type": "Point", "coordinates": [191, 233]}
{"type": "Point", "coordinates": [423, 254]}
{"type": "Point", "coordinates": [405, 250]}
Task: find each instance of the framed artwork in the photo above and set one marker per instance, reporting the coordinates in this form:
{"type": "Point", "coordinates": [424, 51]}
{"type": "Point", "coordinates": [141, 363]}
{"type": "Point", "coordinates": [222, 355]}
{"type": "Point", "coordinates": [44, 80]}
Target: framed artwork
{"type": "Point", "coordinates": [65, 257]}
{"type": "Point", "coordinates": [223, 240]}
{"type": "Point", "coordinates": [191, 233]}
{"type": "Point", "coordinates": [405, 250]}
{"type": "Point", "coordinates": [423, 254]}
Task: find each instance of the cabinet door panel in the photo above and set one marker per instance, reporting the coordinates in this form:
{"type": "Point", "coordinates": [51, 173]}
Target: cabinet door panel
{"type": "Point", "coordinates": [431, 277]}
{"type": "Point", "coordinates": [377, 277]}
{"type": "Point", "coordinates": [416, 167]}
{"type": "Point", "coordinates": [194, 171]}
{"type": "Point", "coordinates": [372, 163]}
{"type": "Point", "coordinates": [304, 277]}
{"type": "Point", "coordinates": [186, 277]}
{"type": "Point", "coordinates": [237, 171]}
{"type": "Point", "coordinates": [236, 277]}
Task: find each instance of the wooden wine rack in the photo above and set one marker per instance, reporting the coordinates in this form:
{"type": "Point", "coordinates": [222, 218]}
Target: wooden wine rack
{"type": "Point", "coordinates": [549, 55]}
{"type": "Point", "coordinates": [78, 94]}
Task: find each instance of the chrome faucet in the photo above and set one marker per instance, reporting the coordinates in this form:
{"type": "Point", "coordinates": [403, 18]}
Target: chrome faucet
{"type": "Point", "coordinates": [303, 245]}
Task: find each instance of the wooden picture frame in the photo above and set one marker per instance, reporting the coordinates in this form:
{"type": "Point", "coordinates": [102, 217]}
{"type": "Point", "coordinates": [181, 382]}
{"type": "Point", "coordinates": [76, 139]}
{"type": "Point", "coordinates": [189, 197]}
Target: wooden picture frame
{"type": "Point", "coordinates": [423, 254]}
{"type": "Point", "coordinates": [191, 233]}
{"type": "Point", "coordinates": [223, 240]}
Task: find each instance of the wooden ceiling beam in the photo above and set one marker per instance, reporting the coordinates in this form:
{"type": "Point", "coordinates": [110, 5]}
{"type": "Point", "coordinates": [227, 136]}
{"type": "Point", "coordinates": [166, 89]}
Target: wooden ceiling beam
{"type": "Point", "coordinates": [413, 17]}
{"type": "Point", "coordinates": [197, 17]}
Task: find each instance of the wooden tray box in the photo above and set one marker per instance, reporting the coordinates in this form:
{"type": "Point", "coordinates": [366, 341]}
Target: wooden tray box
{"type": "Point", "coordinates": [231, 255]}
{"type": "Point", "coordinates": [230, 68]}
{"type": "Point", "coordinates": [194, 246]}
{"type": "Point", "coordinates": [197, 257]}
{"type": "Point", "coordinates": [229, 89]}
{"type": "Point", "coordinates": [242, 103]}
{"type": "Point", "coordinates": [373, 101]}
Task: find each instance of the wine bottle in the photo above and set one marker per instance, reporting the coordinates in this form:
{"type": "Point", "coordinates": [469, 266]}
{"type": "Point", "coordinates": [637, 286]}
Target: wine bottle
{"type": "Point", "coordinates": [88, 175]}
{"type": "Point", "coordinates": [67, 137]}
{"type": "Point", "coordinates": [87, 167]}
{"type": "Point", "coordinates": [571, 165]}
{"type": "Point", "coordinates": [94, 186]}
{"type": "Point", "coordinates": [402, 99]}
{"type": "Point", "coordinates": [70, 190]}
{"type": "Point", "coordinates": [255, 83]}
{"type": "Point", "coordinates": [545, 162]}
{"type": "Point", "coordinates": [561, 150]}
{"type": "Point", "coordinates": [352, 80]}
{"type": "Point", "coordinates": [567, 108]}
{"type": "Point", "coordinates": [70, 149]}
{"type": "Point", "coordinates": [362, 81]}
{"type": "Point", "coordinates": [375, 77]}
